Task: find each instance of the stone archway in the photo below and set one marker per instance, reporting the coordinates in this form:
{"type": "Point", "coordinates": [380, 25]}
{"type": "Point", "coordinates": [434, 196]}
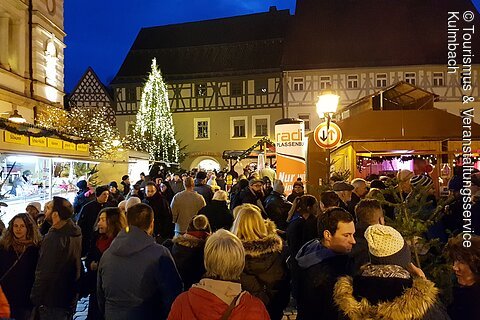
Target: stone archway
{"type": "Point", "coordinates": [205, 163]}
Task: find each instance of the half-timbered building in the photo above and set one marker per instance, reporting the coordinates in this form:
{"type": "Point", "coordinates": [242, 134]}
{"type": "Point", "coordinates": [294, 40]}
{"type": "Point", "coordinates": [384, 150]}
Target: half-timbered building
{"type": "Point", "coordinates": [359, 48]}
{"type": "Point", "coordinates": [90, 93]}
{"type": "Point", "coordinates": [224, 80]}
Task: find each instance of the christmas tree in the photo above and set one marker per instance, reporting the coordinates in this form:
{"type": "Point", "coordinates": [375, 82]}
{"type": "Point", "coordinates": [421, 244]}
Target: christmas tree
{"type": "Point", "coordinates": [154, 130]}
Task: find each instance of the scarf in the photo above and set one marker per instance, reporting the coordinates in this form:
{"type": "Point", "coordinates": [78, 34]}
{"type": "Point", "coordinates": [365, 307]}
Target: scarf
{"type": "Point", "coordinates": [103, 243]}
{"type": "Point", "coordinates": [199, 234]}
{"type": "Point", "coordinates": [21, 245]}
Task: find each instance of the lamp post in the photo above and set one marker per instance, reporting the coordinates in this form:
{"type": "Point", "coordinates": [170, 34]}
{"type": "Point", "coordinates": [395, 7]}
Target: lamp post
{"type": "Point", "coordinates": [326, 107]}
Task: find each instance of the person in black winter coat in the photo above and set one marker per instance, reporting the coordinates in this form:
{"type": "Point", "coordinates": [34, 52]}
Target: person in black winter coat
{"type": "Point", "coordinates": [187, 251]}
{"type": "Point", "coordinates": [217, 212]}
{"type": "Point", "coordinates": [320, 262]}
{"type": "Point", "coordinates": [54, 291]}
{"type": "Point", "coordinates": [202, 188]}
{"type": "Point", "coordinates": [89, 214]}
{"type": "Point", "coordinates": [19, 247]}
{"type": "Point", "coordinates": [83, 196]}
{"type": "Point", "coordinates": [265, 274]}
{"type": "Point", "coordinates": [252, 194]}
{"type": "Point", "coordinates": [163, 222]}
{"type": "Point", "coordinates": [466, 265]}
{"type": "Point", "coordinates": [115, 196]}
{"type": "Point", "coordinates": [109, 223]}
{"type": "Point", "coordinates": [302, 223]}
{"type": "Point", "coordinates": [277, 206]}
{"type": "Point", "coordinates": [385, 289]}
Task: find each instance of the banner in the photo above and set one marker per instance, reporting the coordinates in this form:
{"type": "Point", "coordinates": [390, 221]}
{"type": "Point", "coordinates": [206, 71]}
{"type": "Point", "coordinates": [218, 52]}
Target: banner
{"type": "Point", "coordinates": [290, 147]}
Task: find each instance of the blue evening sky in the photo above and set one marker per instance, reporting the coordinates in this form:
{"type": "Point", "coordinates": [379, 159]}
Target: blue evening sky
{"type": "Point", "coordinates": [100, 32]}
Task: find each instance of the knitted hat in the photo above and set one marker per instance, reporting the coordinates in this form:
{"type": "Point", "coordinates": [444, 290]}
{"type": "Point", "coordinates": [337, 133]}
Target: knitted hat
{"type": "Point", "coordinates": [36, 205]}
{"type": "Point", "coordinates": [252, 181]}
{"type": "Point", "coordinates": [113, 184]}
{"type": "Point", "coordinates": [199, 223]}
{"type": "Point", "coordinates": [278, 186]}
{"type": "Point", "coordinates": [421, 181]}
{"type": "Point", "coordinates": [99, 190]}
{"type": "Point", "coordinates": [387, 246]}
{"type": "Point", "coordinates": [82, 184]}
{"type": "Point", "coordinates": [298, 183]}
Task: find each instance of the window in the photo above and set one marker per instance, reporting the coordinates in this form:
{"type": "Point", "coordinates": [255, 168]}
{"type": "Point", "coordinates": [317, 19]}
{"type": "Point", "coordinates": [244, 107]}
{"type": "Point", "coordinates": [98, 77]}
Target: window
{"type": "Point", "coordinates": [129, 127]}
{"type": "Point", "coordinates": [352, 81]}
{"type": "Point", "coordinates": [410, 77]}
{"type": "Point", "coordinates": [381, 80]}
{"type": "Point", "coordinates": [438, 80]}
{"type": "Point", "coordinates": [201, 129]}
{"type": "Point", "coordinates": [325, 82]}
{"type": "Point", "coordinates": [236, 88]}
{"type": "Point", "coordinates": [201, 89]}
{"type": "Point", "coordinates": [238, 127]}
{"type": "Point", "coordinates": [261, 125]}
{"type": "Point", "coordinates": [306, 120]}
{"type": "Point", "coordinates": [131, 94]}
{"type": "Point", "coordinates": [261, 86]}
{"type": "Point", "coordinates": [298, 84]}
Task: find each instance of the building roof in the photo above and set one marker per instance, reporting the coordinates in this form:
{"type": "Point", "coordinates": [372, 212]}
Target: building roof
{"type": "Point", "coordinates": [371, 33]}
{"type": "Point", "coordinates": [234, 45]}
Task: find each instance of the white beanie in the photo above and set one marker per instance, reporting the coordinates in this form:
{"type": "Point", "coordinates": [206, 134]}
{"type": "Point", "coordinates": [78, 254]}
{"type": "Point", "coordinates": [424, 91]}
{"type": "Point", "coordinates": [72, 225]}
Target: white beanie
{"type": "Point", "coordinates": [387, 246]}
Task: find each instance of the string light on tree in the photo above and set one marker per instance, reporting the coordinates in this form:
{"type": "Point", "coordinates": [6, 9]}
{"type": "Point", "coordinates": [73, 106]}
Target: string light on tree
{"type": "Point", "coordinates": [154, 130]}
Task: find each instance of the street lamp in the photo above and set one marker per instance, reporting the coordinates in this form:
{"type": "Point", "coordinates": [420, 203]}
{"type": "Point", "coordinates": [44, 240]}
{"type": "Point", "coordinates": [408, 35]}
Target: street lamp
{"type": "Point", "coordinates": [326, 107]}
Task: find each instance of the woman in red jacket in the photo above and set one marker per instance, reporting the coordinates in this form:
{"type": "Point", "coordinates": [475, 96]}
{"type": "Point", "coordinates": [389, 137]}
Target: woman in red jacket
{"type": "Point", "coordinates": [219, 295]}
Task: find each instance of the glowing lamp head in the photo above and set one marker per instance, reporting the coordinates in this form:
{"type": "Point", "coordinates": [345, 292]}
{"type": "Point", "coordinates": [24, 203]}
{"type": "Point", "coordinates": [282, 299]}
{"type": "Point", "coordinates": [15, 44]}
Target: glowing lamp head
{"type": "Point", "coordinates": [327, 104]}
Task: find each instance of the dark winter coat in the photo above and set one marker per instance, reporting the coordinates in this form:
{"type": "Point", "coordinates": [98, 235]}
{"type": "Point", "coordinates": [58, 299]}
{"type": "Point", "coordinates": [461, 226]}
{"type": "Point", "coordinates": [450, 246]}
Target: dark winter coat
{"type": "Point", "coordinates": [291, 197]}
{"type": "Point", "coordinates": [126, 188]}
{"type": "Point", "coordinates": [360, 253]}
{"type": "Point", "coordinates": [277, 207]}
{"type": "Point", "coordinates": [58, 268]}
{"type": "Point", "coordinates": [86, 222]}
{"type": "Point", "coordinates": [115, 198]}
{"type": "Point", "coordinates": [465, 303]}
{"type": "Point", "coordinates": [163, 219]}
{"type": "Point", "coordinates": [177, 186]}
{"type": "Point", "coordinates": [352, 203]}
{"type": "Point", "coordinates": [137, 278]}
{"type": "Point", "coordinates": [392, 298]}
{"type": "Point", "coordinates": [266, 274]}
{"type": "Point", "coordinates": [299, 232]}
{"type": "Point", "coordinates": [81, 200]}
{"type": "Point", "coordinates": [187, 252]}
{"type": "Point", "coordinates": [18, 283]}
{"type": "Point", "coordinates": [248, 196]}
{"type": "Point", "coordinates": [218, 215]}
{"type": "Point", "coordinates": [204, 190]}
{"type": "Point", "coordinates": [318, 271]}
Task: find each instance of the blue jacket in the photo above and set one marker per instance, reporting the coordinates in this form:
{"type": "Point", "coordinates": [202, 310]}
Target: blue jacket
{"type": "Point", "coordinates": [137, 278]}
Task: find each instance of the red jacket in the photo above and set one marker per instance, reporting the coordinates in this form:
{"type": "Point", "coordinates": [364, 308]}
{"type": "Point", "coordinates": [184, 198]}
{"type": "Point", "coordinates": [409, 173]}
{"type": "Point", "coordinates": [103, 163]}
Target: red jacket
{"type": "Point", "coordinates": [199, 304]}
{"type": "Point", "coordinates": [4, 306]}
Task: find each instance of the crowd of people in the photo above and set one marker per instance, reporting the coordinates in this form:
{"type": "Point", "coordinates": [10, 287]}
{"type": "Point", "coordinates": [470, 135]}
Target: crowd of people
{"type": "Point", "coordinates": [185, 247]}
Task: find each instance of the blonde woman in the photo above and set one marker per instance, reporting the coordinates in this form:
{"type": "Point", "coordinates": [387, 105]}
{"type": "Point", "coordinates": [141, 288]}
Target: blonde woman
{"type": "Point", "coordinates": [265, 274]}
{"type": "Point", "coordinates": [219, 294]}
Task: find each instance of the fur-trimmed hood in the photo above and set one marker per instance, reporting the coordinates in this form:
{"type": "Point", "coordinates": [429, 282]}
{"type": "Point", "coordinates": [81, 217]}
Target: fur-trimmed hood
{"type": "Point", "coordinates": [269, 244]}
{"type": "Point", "coordinates": [413, 304]}
{"type": "Point", "coordinates": [189, 241]}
